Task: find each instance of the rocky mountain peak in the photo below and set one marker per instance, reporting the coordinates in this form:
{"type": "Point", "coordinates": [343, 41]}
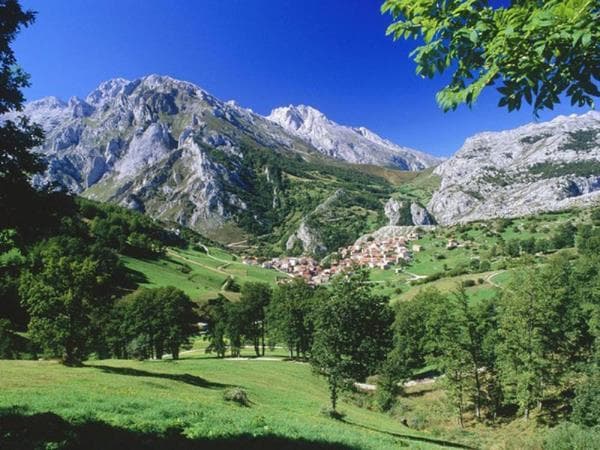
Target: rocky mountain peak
{"type": "Point", "coordinates": [356, 145]}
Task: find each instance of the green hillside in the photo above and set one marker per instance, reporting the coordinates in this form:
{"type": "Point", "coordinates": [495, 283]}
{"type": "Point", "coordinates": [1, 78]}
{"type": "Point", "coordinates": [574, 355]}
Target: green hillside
{"type": "Point", "coordinates": [486, 254]}
{"type": "Point", "coordinates": [199, 274]}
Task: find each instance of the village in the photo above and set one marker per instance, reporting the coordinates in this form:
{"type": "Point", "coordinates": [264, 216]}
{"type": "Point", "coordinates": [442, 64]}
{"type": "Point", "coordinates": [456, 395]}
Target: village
{"type": "Point", "coordinates": [371, 252]}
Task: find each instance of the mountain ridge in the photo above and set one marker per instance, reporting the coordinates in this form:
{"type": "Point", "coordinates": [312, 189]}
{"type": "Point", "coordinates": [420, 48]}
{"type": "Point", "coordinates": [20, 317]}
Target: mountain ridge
{"type": "Point", "coordinates": [353, 144]}
{"type": "Point", "coordinates": [537, 167]}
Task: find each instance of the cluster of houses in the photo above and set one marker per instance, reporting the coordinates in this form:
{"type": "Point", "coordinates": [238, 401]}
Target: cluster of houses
{"type": "Point", "coordinates": [372, 253]}
{"type": "Point", "coordinates": [380, 254]}
{"type": "Point", "coordinates": [302, 266]}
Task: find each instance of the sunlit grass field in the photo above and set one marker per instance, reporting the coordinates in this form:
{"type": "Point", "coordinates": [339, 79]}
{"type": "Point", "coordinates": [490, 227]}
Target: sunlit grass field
{"type": "Point", "coordinates": [198, 274]}
{"type": "Point", "coordinates": [185, 399]}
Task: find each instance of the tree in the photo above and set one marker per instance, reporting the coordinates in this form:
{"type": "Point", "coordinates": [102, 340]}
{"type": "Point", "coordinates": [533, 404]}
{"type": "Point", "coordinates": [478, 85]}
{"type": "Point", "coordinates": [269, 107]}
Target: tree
{"type": "Point", "coordinates": [17, 134]}
{"type": "Point", "coordinates": [473, 325]}
{"type": "Point", "coordinates": [290, 316]}
{"type": "Point", "coordinates": [67, 283]}
{"type": "Point", "coordinates": [235, 327]}
{"type": "Point", "coordinates": [214, 313]}
{"type": "Point", "coordinates": [537, 51]}
{"type": "Point", "coordinates": [513, 248]}
{"type": "Point", "coordinates": [539, 327]}
{"type": "Point", "coordinates": [6, 340]}
{"type": "Point", "coordinates": [178, 318]}
{"type": "Point", "coordinates": [564, 236]}
{"type": "Point", "coordinates": [353, 332]}
{"type": "Point", "coordinates": [155, 320]}
{"type": "Point", "coordinates": [254, 299]}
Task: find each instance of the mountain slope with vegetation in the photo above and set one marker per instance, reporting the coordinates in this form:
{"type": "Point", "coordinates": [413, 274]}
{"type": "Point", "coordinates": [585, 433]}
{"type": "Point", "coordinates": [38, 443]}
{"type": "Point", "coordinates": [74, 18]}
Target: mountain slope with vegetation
{"type": "Point", "coordinates": [539, 167]}
{"type": "Point", "coordinates": [170, 149]}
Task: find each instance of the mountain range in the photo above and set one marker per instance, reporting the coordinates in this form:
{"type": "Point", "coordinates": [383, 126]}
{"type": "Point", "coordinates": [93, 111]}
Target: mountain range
{"type": "Point", "coordinates": [295, 181]}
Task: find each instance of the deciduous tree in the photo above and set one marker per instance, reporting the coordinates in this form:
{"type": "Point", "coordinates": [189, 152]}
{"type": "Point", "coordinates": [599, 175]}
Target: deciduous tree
{"type": "Point", "coordinates": [353, 332]}
{"type": "Point", "coordinates": [534, 51]}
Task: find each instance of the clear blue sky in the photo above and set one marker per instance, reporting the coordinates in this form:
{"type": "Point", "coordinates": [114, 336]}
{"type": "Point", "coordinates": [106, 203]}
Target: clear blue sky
{"type": "Point", "coordinates": [331, 54]}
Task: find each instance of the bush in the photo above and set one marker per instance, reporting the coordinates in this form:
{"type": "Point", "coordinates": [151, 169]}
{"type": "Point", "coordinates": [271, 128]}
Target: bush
{"type": "Point", "coordinates": [468, 283]}
{"type": "Point", "coordinates": [485, 266]}
{"type": "Point", "coordinates": [185, 269]}
{"type": "Point", "coordinates": [571, 436]}
{"type": "Point", "coordinates": [237, 395]}
{"type": "Point", "coordinates": [419, 420]}
{"type": "Point", "coordinates": [586, 403]}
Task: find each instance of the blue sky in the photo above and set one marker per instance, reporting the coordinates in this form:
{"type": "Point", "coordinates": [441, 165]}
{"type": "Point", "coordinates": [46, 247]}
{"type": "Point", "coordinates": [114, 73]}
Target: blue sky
{"type": "Point", "coordinates": [331, 54]}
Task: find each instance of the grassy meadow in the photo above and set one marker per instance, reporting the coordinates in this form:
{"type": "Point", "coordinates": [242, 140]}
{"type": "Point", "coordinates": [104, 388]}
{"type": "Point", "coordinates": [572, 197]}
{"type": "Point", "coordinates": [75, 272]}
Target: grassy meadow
{"type": "Point", "coordinates": [200, 275]}
{"type": "Point", "coordinates": [180, 404]}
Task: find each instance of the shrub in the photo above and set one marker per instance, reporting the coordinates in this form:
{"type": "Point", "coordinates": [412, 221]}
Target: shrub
{"type": "Point", "coordinates": [571, 436]}
{"type": "Point", "coordinates": [485, 266]}
{"type": "Point", "coordinates": [468, 283]}
{"type": "Point", "coordinates": [237, 395]}
{"type": "Point", "coordinates": [419, 420]}
{"type": "Point", "coordinates": [586, 403]}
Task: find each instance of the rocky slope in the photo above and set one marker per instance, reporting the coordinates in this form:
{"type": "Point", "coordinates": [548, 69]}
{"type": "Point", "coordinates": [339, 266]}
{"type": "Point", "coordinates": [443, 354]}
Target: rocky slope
{"type": "Point", "coordinates": [355, 145]}
{"type": "Point", "coordinates": [171, 149]}
{"type": "Point", "coordinates": [155, 144]}
{"type": "Point", "coordinates": [538, 167]}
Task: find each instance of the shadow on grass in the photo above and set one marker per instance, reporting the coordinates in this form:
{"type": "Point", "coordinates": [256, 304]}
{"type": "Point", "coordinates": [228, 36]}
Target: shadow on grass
{"type": "Point", "coordinates": [186, 378]}
{"type": "Point", "coordinates": [19, 431]}
{"type": "Point", "coordinates": [136, 277]}
{"type": "Point", "coordinates": [408, 437]}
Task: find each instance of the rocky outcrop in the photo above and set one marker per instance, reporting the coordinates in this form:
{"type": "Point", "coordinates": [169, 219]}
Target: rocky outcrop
{"type": "Point", "coordinates": [309, 239]}
{"type": "Point", "coordinates": [393, 211]}
{"type": "Point", "coordinates": [355, 145]}
{"type": "Point", "coordinates": [419, 215]}
{"type": "Point", "coordinates": [393, 231]}
{"type": "Point", "coordinates": [538, 167]}
{"type": "Point", "coordinates": [405, 213]}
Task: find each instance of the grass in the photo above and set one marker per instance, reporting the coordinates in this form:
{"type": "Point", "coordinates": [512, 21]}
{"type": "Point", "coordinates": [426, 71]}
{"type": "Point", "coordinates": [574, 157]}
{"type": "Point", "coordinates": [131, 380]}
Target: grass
{"type": "Point", "coordinates": [198, 274]}
{"type": "Point", "coordinates": [184, 400]}
{"type": "Point", "coordinates": [427, 407]}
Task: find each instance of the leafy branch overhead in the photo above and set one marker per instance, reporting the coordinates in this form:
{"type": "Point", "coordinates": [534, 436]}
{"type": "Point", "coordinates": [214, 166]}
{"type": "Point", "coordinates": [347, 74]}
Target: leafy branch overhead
{"type": "Point", "coordinates": [533, 51]}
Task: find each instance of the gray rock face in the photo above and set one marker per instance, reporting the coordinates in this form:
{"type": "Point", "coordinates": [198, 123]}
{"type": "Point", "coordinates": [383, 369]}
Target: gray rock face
{"type": "Point", "coordinates": [392, 210]}
{"type": "Point", "coordinates": [149, 144]}
{"type": "Point", "coordinates": [311, 244]}
{"type": "Point", "coordinates": [419, 215]}
{"type": "Point", "coordinates": [355, 145]}
{"type": "Point", "coordinates": [538, 167]}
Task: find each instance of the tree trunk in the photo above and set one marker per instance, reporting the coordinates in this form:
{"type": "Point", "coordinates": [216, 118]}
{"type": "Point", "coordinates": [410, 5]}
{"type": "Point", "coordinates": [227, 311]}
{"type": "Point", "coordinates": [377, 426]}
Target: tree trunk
{"type": "Point", "coordinates": [333, 393]}
{"type": "Point", "coordinates": [263, 338]}
{"type": "Point", "coordinates": [175, 352]}
{"type": "Point", "coordinates": [477, 394]}
{"type": "Point", "coordinates": [256, 346]}
{"type": "Point", "coordinates": [159, 351]}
